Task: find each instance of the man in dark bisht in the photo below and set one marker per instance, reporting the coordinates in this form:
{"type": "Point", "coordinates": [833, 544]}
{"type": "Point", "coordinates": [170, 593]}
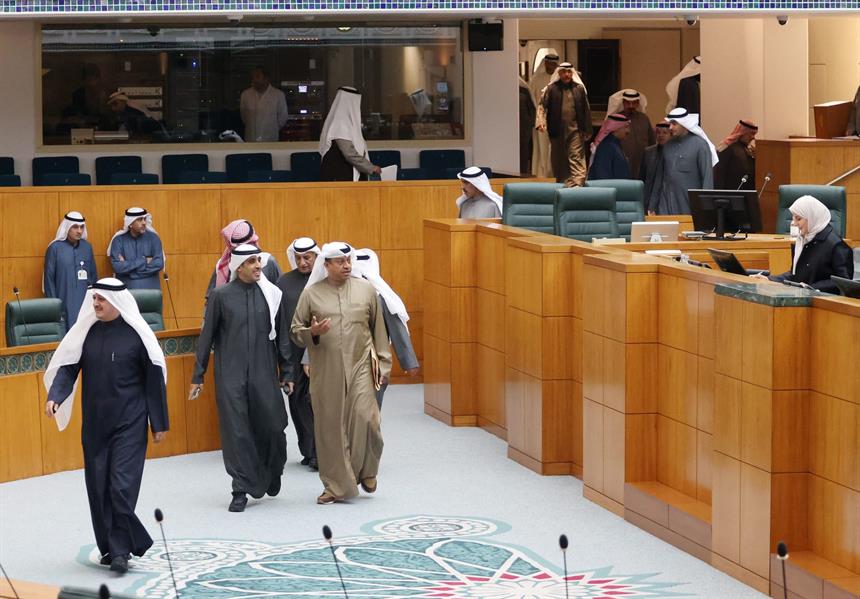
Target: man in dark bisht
{"type": "Point", "coordinates": [632, 104]}
{"type": "Point", "coordinates": [342, 145]}
{"type": "Point", "coordinates": [242, 323]}
{"type": "Point", "coordinates": [607, 159]}
{"type": "Point", "coordinates": [736, 168]}
{"type": "Point", "coordinates": [302, 254]}
{"type": "Point", "coordinates": [124, 374]}
{"type": "Point", "coordinates": [651, 172]}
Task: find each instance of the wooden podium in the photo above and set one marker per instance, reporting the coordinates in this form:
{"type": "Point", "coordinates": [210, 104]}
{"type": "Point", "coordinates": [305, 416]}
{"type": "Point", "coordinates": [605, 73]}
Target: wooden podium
{"type": "Point", "coordinates": [831, 118]}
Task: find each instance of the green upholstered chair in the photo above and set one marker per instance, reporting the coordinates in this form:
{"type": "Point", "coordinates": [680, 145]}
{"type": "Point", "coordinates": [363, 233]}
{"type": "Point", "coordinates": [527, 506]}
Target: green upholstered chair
{"type": "Point", "coordinates": [34, 321]}
{"type": "Point", "coordinates": [530, 206]}
{"type": "Point", "coordinates": [831, 196]}
{"type": "Point", "coordinates": [149, 302]}
{"type": "Point", "coordinates": [584, 213]}
{"type": "Point", "coordinates": [629, 201]}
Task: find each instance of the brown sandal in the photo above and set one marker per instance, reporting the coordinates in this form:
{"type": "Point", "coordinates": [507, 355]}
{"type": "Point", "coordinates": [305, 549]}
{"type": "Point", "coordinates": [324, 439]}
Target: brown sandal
{"type": "Point", "coordinates": [326, 498]}
{"type": "Point", "coordinates": [369, 484]}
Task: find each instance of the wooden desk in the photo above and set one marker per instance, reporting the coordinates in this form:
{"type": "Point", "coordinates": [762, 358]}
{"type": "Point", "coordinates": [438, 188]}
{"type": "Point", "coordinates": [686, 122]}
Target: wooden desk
{"type": "Point", "coordinates": [29, 590]}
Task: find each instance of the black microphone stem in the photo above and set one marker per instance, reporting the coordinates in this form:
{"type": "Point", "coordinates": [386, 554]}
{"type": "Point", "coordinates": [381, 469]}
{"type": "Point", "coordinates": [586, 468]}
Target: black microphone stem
{"type": "Point", "coordinates": [170, 297]}
{"type": "Point", "coordinates": [9, 580]}
{"type": "Point", "coordinates": [24, 318]}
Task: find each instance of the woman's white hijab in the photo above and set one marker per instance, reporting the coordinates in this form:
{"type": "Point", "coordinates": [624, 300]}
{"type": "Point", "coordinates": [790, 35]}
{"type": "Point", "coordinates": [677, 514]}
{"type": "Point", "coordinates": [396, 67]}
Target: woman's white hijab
{"type": "Point", "coordinates": [344, 122]}
{"type": "Point", "coordinates": [367, 265]}
{"type": "Point", "coordinates": [691, 69]}
{"type": "Point", "coordinates": [477, 177]}
{"type": "Point", "coordinates": [69, 350]}
{"type": "Point", "coordinates": [817, 216]}
{"type": "Point", "coordinates": [271, 292]}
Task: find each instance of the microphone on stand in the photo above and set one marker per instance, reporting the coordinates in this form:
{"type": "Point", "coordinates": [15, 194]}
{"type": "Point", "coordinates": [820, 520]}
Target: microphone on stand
{"type": "Point", "coordinates": [763, 185]}
{"type": "Point", "coordinates": [562, 543]}
{"type": "Point", "coordinates": [159, 517]}
{"type": "Point", "coordinates": [744, 179]}
{"type": "Point", "coordinates": [782, 555]}
{"type": "Point", "coordinates": [24, 318]}
{"type": "Point", "coordinates": [327, 534]}
{"type": "Point", "coordinates": [170, 297]}
{"type": "Point", "coordinates": [104, 592]}
{"type": "Point", "coordinates": [6, 576]}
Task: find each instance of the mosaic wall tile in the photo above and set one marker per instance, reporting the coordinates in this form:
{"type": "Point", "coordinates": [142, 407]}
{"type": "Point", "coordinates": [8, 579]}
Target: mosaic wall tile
{"type": "Point", "coordinates": [41, 7]}
{"type": "Point", "coordinates": [38, 361]}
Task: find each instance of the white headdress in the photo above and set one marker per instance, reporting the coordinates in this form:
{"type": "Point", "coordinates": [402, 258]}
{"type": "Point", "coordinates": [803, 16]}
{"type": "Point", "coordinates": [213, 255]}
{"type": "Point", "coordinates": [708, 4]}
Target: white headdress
{"type": "Point", "coordinates": [344, 122]}
{"type": "Point", "coordinates": [70, 220]}
{"type": "Point", "coordinates": [367, 265]}
{"type": "Point", "coordinates": [565, 66]}
{"type": "Point", "coordinates": [616, 100]}
{"type": "Point", "coordinates": [817, 216]}
{"type": "Point", "coordinates": [271, 292]}
{"type": "Point", "coordinates": [302, 245]}
{"type": "Point", "coordinates": [69, 350]}
{"type": "Point", "coordinates": [335, 249]}
{"type": "Point", "coordinates": [131, 215]}
{"type": "Point", "coordinates": [478, 178]}
{"type": "Point", "coordinates": [690, 122]}
{"type": "Point", "coordinates": [691, 69]}
{"type": "Point", "coordinates": [542, 55]}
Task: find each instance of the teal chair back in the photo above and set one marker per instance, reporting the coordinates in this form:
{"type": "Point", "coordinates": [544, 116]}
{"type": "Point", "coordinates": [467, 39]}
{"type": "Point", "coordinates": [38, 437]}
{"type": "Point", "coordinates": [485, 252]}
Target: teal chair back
{"type": "Point", "coordinates": [149, 303]}
{"type": "Point", "coordinates": [831, 196]}
{"type": "Point", "coordinates": [584, 213]}
{"type": "Point", "coordinates": [629, 201]}
{"type": "Point", "coordinates": [34, 321]}
{"type": "Point", "coordinates": [530, 206]}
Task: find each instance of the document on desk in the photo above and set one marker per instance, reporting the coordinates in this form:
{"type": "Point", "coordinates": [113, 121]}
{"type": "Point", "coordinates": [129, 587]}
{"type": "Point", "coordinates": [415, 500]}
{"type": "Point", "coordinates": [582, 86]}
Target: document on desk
{"type": "Point", "coordinates": [389, 173]}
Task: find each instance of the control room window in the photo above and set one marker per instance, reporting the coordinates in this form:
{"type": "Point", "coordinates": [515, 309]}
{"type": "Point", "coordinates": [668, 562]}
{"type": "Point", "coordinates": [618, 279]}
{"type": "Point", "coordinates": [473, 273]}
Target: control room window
{"type": "Point", "coordinates": [168, 84]}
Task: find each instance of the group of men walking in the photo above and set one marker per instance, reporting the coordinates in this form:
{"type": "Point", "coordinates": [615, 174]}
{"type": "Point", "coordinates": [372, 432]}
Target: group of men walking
{"type": "Point", "coordinates": [318, 335]}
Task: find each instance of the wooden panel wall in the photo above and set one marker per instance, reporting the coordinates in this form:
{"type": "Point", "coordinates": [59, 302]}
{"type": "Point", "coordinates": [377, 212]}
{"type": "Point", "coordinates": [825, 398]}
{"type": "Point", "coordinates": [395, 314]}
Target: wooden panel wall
{"type": "Point", "coordinates": [31, 445]}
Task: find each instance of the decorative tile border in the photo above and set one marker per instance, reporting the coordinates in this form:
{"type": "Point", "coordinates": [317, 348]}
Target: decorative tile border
{"type": "Point", "coordinates": [76, 7]}
{"type": "Point", "coordinates": [28, 362]}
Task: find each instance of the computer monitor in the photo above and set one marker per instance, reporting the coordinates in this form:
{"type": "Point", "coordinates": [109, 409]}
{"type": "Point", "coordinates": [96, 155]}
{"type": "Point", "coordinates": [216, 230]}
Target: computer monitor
{"type": "Point", "coordinates": [652, 230]}
{"type": "Point", "coordinates": [727, 261]}
{"type": "Point", "coordinates": [723, 211]}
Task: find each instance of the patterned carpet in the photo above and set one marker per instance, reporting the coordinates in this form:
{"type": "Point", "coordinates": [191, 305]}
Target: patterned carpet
{"type": "Point", "coordinates": [419, 556]}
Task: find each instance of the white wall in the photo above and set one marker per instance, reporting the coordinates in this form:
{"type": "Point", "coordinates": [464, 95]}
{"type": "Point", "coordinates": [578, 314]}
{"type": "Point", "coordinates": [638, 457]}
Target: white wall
{"type": "Point", "coordinates": [755, 69]}
{"type": "Point", "coordinates": [495, 105]}
{"type": "Point", "coordinates": [18, 73]}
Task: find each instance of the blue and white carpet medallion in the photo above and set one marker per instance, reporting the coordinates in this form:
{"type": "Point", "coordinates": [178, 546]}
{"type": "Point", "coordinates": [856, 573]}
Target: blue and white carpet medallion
{"type": "Point", "coordinates": [421, 556]}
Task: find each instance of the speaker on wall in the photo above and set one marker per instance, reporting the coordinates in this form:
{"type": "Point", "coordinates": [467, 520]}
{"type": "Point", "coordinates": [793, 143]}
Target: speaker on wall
{"type": "Point", "coordinates": [486, 37]}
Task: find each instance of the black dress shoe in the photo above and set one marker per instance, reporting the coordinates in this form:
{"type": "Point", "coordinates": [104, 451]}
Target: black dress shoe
{"type": "Point", "coordinates": [240, 500]}
{"type": "Point", "coordinates": [105, 560]}
{"type": "Point", "coordinates": [305, 461]}
{"type": "Point", "coordinates": [274, 486]}
{"type": "Point", "coordinates": [119, 564]}
{"type": "Point", "coordinates": [312, 464]}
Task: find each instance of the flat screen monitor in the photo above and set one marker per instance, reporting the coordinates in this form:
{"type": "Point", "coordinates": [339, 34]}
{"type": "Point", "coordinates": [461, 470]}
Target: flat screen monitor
{"type": "Point", "coordinates": [727, 262]}
{"type": "Point", "coordinates": [486, 37]}
{"type": "Point", "coordinates": [724, 211]}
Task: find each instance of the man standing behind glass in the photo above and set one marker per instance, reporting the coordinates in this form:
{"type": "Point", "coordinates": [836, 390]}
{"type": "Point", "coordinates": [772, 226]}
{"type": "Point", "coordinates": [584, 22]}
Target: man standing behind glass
{"type": "Point", "coordinates": [263, 108]}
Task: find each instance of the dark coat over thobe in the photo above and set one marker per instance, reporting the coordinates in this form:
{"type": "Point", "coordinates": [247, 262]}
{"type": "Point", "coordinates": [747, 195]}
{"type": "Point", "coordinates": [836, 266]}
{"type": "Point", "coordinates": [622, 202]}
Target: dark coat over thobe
{"type": "Point", "coordinates": [735, 162]}
{"type": "Point", "coordinates": [528, 112]}
{"type": "Point", "coordinates": [651, 174]}
{"type": "Point", "coordinates": [291, 285]}
{"type": "Point", "coordinates": [640, 137]}
{"type": "Point", "coordinates": [689, 94]}
{"type": "Point", "coordinates": [402, 342]}
{"type": "Point", "coordinates": [341, 158]}
{"type": "Point", "coordinates": [121, 390]}
{"type": "Point", "coordinates": [133, 269]}
{"type": "Point", "coordinates": [827, 254]}
{"type": "Point", "coordinates": [686, 165]}
{"type": "Point", "coordinates": [609, 161]}
{"type": "Point", "coordinates": [62, 263]}
{"type": "Point", "coordinates": [251, 413]}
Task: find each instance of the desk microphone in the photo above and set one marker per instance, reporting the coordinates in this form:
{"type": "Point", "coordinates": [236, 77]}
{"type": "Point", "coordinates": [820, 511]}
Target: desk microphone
{"type": "Point", "coordinates": [562, 543]}
{"type": "Point", "coordinates": [9, 580]}
{"type": "Point", "coordinates": [104, 592]}
{"type": "Point", "coordinates": [327, 534]}
{"type": "Point", "coordinates": [24, 318]}
{"type": "Point", "coordinates": [159, 517]}
{"type": "Point", "coordinates": [744, 179]}
{"type": "Point", "coordinates": [763, 185]}
{"type": "Point", "coordinates": [170, 297]}
{"type": "Point", "coordinates": [782, 555]}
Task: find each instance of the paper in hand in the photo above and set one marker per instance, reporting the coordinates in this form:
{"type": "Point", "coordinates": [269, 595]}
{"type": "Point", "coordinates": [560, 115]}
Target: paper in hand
{"type": "Point", "coordinates": [389, 173]}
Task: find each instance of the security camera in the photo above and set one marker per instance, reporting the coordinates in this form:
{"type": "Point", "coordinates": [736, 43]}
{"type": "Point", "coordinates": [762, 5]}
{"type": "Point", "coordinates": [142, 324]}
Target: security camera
{"type": "Point", "coordinates": [691, 20]}
{"type": "Point", "coordinates": [153, 30]}
{"type": "Point", "coordinates": [782, 19]}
